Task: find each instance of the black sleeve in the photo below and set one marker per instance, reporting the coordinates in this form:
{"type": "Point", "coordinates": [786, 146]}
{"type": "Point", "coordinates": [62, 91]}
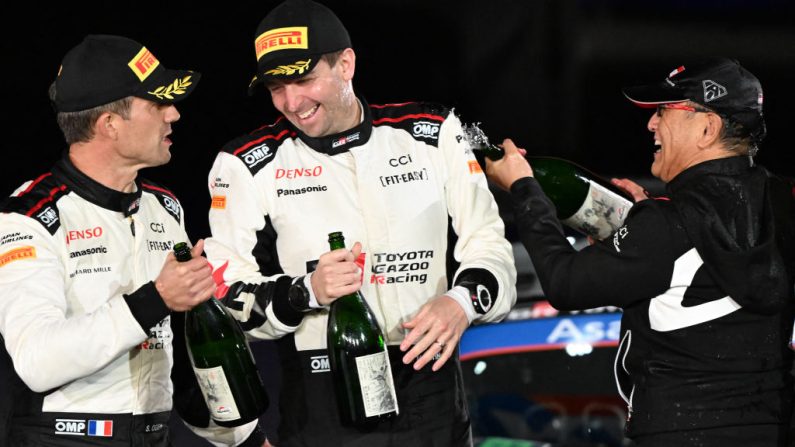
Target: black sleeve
{"type": "Point", "coordinates": [634, 264]}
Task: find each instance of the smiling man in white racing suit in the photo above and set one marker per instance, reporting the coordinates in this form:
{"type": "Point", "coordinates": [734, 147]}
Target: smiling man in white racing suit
{"type": "Point", "coordinates": [87, 277]}
{"type": "Point", "coordinates": [402, 184]}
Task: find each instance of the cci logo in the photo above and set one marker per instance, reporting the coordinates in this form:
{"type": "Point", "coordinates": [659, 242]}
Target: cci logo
{"type": "Point", "coordinates": [426, 129]}
{"type": "Point", "coordinates": [257, 155]}
{"type": "Point", "coordinates": [402, 160]}
{"type": "Point", "coordinates": [48, 216]}
{"type": "Point", "coordinates": [319, 364]}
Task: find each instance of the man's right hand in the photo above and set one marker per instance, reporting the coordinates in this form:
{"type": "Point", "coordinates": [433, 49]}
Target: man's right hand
{"type": "Point", "coordinates": [336, 275]}
{"type": "Point", "coordinates": [183, 285]}
{"type": "Point", "coordinates": [636, 191]}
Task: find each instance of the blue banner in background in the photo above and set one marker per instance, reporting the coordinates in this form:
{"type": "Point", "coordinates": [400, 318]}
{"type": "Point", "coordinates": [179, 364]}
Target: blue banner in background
{"type": "Point", "coordinates": [574, 333]}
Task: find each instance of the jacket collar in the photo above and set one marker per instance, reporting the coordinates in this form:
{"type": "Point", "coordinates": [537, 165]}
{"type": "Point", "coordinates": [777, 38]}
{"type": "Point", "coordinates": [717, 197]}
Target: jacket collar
{"type": "Point", "coordinates": [722, 166]}
{"type": "Point", "coordinates": [343, 141]}
{"type": "Point", "coordinates": [93, 191]}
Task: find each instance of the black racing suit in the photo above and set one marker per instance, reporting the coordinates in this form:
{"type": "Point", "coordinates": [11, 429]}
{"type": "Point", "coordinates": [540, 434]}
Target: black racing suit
{"type": "Point", "coordinates": [705, 278]}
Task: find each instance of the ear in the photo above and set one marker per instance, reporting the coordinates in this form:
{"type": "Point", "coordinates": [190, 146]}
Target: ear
{"type": "Point", "coordinates": [711, 133]}
{"type": "Point", "coordinates": [106, 126]}
{"type": "Point", "coordinates": [347, 63]}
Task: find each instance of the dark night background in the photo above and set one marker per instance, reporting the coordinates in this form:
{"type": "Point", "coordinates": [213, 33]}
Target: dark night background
{"type": "Point", "coordinates": [546, 73]}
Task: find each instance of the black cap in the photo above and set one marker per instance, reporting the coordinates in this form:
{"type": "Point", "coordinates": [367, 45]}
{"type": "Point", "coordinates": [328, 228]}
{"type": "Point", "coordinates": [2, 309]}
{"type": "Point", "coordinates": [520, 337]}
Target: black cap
{"type": "Point", "coordinates": [291, 38]}
{"type": "Point", "coordinates": [103, 69]}
{"type": "Point", "coordinates": [719, 84]}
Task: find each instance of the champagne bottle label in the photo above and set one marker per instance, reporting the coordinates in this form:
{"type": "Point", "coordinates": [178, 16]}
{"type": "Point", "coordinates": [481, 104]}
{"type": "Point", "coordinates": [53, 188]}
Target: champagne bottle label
{"type": "Point", "coordinates": [378, 388]}
{"type": "Point", "coordinates": [217, 393]}
{"type": "Point", "coordinates": [602, 212]}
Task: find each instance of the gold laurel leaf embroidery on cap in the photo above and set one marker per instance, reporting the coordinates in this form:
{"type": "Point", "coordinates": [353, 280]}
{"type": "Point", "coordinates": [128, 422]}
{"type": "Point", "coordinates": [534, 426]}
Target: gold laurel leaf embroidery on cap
{"type": "Point", "coordinates": [287, 70]}
{"type": "Point", "coordinates": [178, 87]}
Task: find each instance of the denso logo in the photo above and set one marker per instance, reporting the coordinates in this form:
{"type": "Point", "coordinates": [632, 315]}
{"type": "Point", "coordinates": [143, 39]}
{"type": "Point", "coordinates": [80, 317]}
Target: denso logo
{"type": "Point", "coordinates": [89, 233]}
{"type": "Point", "coordinates": [426, 129]}
{"type": "Point", "coordinates": [257, 155]}
{"type": "Point", "coordinates": [299, 172]}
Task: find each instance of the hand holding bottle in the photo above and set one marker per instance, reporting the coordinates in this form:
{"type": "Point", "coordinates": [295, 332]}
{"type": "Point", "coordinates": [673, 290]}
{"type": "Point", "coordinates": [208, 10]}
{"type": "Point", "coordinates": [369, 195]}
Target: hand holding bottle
{"type": "Point", "coordinates": [183, 285]}
{"type": "Point", "coordinates": [436, 329]}
{"type": "Point", "coordinates": [336, 274]}
{"type": "Point", "coordinates": [510, 168]}
{"type": "Point", "coordinates": [636, 191]}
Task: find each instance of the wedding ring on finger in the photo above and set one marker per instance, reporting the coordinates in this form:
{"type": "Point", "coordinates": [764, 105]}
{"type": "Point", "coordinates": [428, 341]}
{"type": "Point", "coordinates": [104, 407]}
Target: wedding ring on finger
{"type": "Point", "coordinates": [441, 344]}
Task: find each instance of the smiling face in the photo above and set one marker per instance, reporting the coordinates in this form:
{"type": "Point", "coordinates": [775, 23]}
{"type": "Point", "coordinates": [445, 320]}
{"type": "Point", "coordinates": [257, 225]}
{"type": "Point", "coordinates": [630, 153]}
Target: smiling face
{"type": "Point", "coordinates": [678, 133]}
{"type": "Point", "coordinates": [322, 102]}
{"type": "Point", "coordinates": [143, 136]}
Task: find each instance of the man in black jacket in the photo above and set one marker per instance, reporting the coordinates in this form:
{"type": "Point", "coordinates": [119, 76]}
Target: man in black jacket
{"type": "Point", "coordinates": [705, 275]}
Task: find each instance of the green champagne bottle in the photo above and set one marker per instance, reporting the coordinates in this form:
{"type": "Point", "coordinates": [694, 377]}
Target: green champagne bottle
{"type": "Point", "coordinates": [584, 201]}
{"type": "Point", "coordinates": [358, 358]}
{"type": "Point", "coordinates": [222, 360]}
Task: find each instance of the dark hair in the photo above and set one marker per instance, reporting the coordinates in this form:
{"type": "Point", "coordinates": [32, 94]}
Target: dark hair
{"type": "Point", "coordinates": [79, 126]}
{"type": "Point", "coordinates": [331, 58]}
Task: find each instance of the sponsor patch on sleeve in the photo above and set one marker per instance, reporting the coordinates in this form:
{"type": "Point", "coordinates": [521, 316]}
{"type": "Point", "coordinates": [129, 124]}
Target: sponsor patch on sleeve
{"type": "Point", "coordinates": [474, 167]}
{"type": "Point", "coordinates": [17, 254]}
{"type": "Point", "coordinates": [219, 202]}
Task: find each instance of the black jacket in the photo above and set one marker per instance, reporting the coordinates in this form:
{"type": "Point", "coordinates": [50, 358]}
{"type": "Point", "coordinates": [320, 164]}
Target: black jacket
{"type": "Point", "coordinates": [705, 278]}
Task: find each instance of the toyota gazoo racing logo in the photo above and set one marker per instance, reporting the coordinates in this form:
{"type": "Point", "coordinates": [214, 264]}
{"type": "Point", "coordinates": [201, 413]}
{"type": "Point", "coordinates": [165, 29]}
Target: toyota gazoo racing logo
{"type": "Point", "coordinates": [171, 205]}
{"type": "Point", "coordinates": [345, 140]}
{"type": "Point", "coordinates": [257, 155]}
{"type": "Point", "coordinates": [425, 129]}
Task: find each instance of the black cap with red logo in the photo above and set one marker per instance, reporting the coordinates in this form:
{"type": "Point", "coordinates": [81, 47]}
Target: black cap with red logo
{"type": "Point", "coordinates": [291, 38]}
{"type": "Point", "coordinates": [720, 84]}
{"type": "Point", "coordinates": [104, 68]}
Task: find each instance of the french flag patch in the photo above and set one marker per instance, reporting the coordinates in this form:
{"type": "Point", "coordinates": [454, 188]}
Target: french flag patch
{"type": "Point", "coordinates": [100, 428]}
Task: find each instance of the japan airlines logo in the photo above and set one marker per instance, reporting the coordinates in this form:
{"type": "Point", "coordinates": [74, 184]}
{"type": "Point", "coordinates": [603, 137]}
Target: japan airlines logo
{"type": "Point", "coordinates": [713, 90]}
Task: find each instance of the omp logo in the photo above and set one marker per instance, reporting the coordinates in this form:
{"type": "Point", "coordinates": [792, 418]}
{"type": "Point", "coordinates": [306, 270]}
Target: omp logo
{"type": "Point", "coordinates": [426, 129]}
{"type": "Point", "coordinates": [319, 364]}
{"type": "Point", "coordinates": [345, 140]}
{"type": "Point", "coordinates": [257, 155]}
{"type": "Point", "coordinates": [713, 90]}
{"type": "Point", "coordinates": [171, 205]}
{"type": "Point", "coordinates": [143, 64]}
{"type": "Point", "coordinates": [17, 254]}
{"type": "Point", "coordinates": [219, 203]}
{"type": "Point", "coordinates": [48, 216]}
{"type": "Point", "coordinates": [70, 427]}
{"type": "Point", "coordinates": [294, 37]}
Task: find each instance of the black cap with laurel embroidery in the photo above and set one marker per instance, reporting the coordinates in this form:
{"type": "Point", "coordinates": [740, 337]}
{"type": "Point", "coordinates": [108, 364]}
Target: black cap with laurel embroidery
{"type": "Point", "coordinates": [291, 38]}
{"type": "Point", "coordinates": [104, 68]}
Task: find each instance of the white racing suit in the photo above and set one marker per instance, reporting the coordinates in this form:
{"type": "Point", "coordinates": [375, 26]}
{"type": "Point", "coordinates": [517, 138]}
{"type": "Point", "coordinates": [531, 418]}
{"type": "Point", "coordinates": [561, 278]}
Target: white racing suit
{"type": "Point", "coordinates": [88, 334]}
{"type": "Point", "coordinates": [405, 184]}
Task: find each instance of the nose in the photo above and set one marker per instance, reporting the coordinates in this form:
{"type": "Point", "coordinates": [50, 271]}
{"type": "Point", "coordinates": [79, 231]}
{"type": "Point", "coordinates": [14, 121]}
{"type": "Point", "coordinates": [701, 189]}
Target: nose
{"type": "Point", "coordinates": [172, 114]}
{"type": "Point", "coordinates": [653, 121]}
{"type": "Point", "coordinates": [292, 97]}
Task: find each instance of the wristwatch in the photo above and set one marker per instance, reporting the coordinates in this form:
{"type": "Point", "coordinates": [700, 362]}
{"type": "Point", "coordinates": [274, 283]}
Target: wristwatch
{"type": "Point", "coordinates": [298, 296]}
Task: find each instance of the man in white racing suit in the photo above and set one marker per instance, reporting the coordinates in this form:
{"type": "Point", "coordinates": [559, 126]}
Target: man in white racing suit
{"type": "Point", "coordinates": [87, 277]}
{"type": "Point", "coordinates": [401, 183]}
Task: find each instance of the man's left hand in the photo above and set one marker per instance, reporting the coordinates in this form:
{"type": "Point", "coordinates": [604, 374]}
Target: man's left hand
{"type": "Point", "coordinates": [437, 328]}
